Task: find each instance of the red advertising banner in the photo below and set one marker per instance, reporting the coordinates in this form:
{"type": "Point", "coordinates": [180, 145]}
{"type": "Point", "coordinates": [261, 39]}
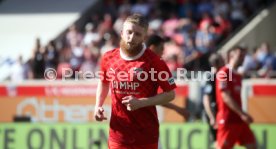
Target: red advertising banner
{"type": "Point", "coordinates": [62, 90]}
{"type": "Point", "coordinates": [264, 90]}
{"type": "Point", "coordinates": [64, 102]}
{"type": "Point", "coordinates": [49, 90]}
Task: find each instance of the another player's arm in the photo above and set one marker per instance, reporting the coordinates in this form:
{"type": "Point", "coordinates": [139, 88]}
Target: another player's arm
{"type": "Point", "coordinates": [180, 110]}
{"type": "Point", "coordinates": [133, 103]}
{"type": "Point", "coordinates": [228, 100]}
{"type": "Point", "coordinates": [207, 107]}
{"type": "Point", "coordinates": [102, 91]}
{"type": "Point", "coordinates": [170, 106]}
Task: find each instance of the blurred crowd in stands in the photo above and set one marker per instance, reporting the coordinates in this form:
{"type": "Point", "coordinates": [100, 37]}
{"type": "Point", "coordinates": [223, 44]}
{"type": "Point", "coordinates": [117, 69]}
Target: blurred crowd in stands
{"type": "Point", "coordinates": [191, 29]}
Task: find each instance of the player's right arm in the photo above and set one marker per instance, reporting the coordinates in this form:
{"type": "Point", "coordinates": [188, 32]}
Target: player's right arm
{"type": "Point", "coordinates": [102, 91]}
{"type": "Point", "coordinates": [228, 100]}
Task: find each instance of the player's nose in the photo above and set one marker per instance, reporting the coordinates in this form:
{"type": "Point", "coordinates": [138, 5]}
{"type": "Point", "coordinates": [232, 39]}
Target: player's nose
{"type": "Point", "coordinates": [131, 38]}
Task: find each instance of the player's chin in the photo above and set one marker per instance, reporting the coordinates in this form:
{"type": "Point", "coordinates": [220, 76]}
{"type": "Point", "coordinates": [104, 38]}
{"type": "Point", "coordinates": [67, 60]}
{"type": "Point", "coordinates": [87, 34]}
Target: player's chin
{"type": "Point", "coordinates": [132, 46]}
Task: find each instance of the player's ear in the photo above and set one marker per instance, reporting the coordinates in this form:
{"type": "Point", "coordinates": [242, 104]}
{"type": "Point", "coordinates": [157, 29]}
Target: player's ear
{"type": "Point", "coordinates": [152, 47]}
{"type": "Point", "coordinates": [145, 36]}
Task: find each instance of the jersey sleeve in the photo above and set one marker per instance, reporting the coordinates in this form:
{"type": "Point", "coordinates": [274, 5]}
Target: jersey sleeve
{"type": "Point", "coordinates": [223, 79]}
{"type": "Point", "coordinates": [163, 76]}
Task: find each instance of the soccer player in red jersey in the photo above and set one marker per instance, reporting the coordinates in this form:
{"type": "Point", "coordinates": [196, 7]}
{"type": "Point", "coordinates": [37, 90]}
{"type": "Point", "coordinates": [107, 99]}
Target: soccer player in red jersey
{"type": "Point", "coordinates": [233, 122]}
{"type": "Point", "coordinates": [134, 74]}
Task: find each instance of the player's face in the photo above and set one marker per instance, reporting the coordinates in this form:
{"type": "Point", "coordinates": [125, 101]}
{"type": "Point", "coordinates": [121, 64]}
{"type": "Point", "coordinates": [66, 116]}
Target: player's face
{"type": "Point", "coordinates": [132, 36]}
{"type": "Point", "coordinates": [221, 62]}
{"type": "Point", "coordinates": [240, 54]}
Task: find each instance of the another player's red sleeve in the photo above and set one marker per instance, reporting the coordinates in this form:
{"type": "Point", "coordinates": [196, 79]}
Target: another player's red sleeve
{"type": "Point", "coordinates": [163, 76]}
{"type": "Point", "coordinates": [223, 79]}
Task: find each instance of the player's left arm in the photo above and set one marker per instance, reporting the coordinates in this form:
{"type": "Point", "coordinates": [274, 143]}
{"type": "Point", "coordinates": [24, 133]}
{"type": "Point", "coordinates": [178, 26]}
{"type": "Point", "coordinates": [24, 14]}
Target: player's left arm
{"type": "Point", "coordinates": [165, 81]}
{"type": "Point", "coordinates": [133, 103]}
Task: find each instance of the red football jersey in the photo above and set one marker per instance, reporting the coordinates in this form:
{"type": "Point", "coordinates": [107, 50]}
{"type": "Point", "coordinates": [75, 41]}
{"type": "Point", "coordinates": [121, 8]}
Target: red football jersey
{"type": "Point", "coordinates": [127, 76]}
{"type": "Point", "coordinates": [228, 80]}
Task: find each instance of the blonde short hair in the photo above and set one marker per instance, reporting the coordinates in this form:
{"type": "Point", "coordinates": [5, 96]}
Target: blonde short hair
{"type": "Point", "coordinates": [138, 19]}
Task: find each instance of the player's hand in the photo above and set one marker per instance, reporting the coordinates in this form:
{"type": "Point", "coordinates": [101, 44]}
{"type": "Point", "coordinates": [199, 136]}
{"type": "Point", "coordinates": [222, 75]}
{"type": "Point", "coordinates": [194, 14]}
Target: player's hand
{"type": "Point", "coordinates": [132, 103]}
{"type": "Point", "coordinates": [213, 123]}
{"type": "Point", "coordinates": [246, 118]}
{"type": "Point", "coordinates": [99, 114]}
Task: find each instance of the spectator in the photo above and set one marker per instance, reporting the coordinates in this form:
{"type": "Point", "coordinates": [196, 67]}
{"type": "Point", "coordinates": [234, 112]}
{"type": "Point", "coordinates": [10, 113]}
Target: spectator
{"type": "Point", "coordinates": [106, 25]}
{"type": "Point", "coordinates": [264, 54]}
{"type": "Point", "coordinates": [119, 22]}
{"type": "Point", "coordinates": [17, 70]}
{"type": "Point", "coordinates": [237, 13]}
{"type": "Point", "coordinates": [27, 70]}
{"type": "Point", "coordinates": [205, 39]}
{"type": "Point", "coordinates": [73, 36]}
{"type": "Point", "coordinates": [168, 19]}
{"type": "Point", "coordinates": [222, 7]}
{"type": "Point", "coordinates": [38, 61]}
{"type": "Point", "coordinates": [205, 6]}
{"type": "Point", "coordinates": [89, 64]}
{"type": "Point", "coordinates": [63, 70]}
{"type": "Point", "coordinates": [51, 55]}
{"type": "Point", "coordinates": [187, 9]}
{"type": "Point", "coordinates": [169, 26]}
{"type": "Point", "coordinates": [265, 58]}
{"type": "Point", "coordinates": [91, 35]}
{"type": "Point", "coordinates": [223, 26]}
{"type": "Point", "coordinates": [141, 7]}
{"type": "Point", "coordinates": [110, 42]}
{"type": "Point", "coordinates": [250, 64]}
{"type": "Point", "coordinates": [173, 55]}
{"type": "Point", "coordinates": [125, 7]}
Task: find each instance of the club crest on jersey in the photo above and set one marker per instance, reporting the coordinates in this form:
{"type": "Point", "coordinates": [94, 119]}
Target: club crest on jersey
{"type": "Point", "coordinates": [171, 81]}
{"type": "Point", "coordinates": [137, 69]}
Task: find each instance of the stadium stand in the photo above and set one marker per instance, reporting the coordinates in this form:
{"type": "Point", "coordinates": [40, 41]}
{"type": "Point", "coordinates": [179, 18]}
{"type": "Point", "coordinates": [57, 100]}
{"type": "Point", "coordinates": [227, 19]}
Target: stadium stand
{"type": "Point", "coordinates": [193, 29]}
{"type": "Point", "coordinates": [23, 21]}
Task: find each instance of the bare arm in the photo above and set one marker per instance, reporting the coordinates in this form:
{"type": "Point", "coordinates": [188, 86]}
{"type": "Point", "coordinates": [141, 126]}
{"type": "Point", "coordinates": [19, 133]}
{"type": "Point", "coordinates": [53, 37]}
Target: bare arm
{"type": "Point", "coordinates": [180, 110]}
{"type": "Point", "coordinates": [227, 99]}
{"type": "Point", "coordinates": [207, 107]}
{"type": "Point", "coordinates": [133, 103]}
{"type": "Point", "coordinates": [170, 106]}
{"type": "Point", "coordinates": [102, 91]}
{"type": "Point", "coordinates": [159, 99]}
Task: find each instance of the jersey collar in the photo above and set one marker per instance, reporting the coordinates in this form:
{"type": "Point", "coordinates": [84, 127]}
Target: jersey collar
{"type": "Point", "coordinates": [127, 58]}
